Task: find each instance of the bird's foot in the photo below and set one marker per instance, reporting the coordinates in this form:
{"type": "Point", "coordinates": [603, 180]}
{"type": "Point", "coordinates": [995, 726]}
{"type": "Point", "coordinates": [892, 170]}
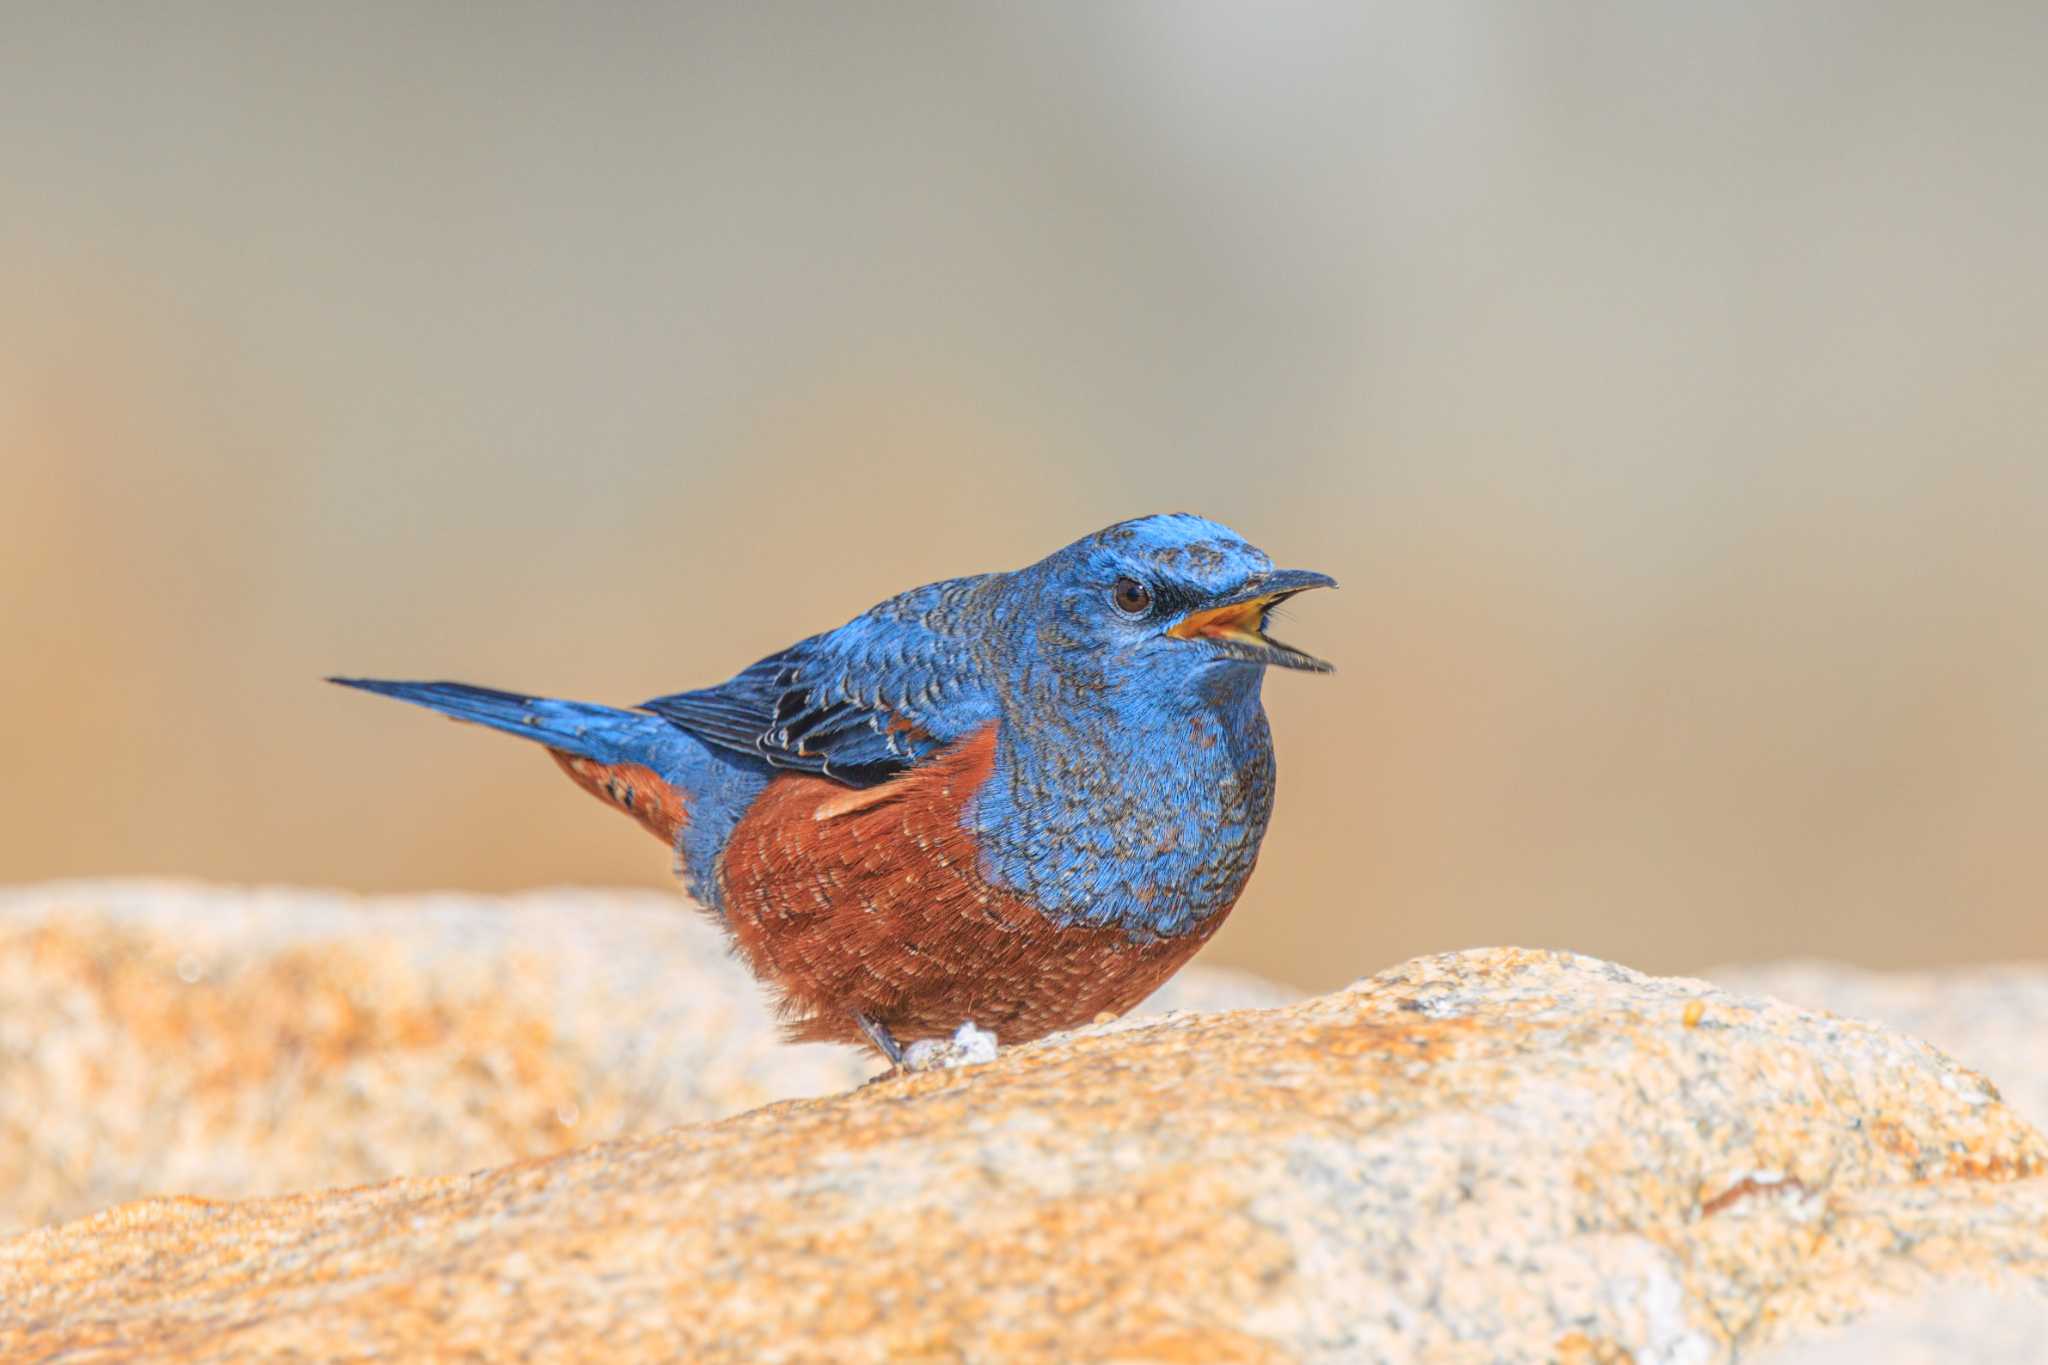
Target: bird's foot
{"type": "Point", "coordinates": [969, 1046]}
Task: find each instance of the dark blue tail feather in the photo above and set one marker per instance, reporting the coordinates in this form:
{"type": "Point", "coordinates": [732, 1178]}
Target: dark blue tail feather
{"type": "Point", "coordinates": [604, 733]}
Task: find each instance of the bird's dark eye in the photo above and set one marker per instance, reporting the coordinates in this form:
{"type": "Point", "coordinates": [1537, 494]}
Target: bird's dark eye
{"type": "Point", "coordinates": [1131, 597]}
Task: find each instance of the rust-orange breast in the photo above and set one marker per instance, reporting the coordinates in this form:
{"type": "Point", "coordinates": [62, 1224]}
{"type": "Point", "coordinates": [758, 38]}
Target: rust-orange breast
{"type": "Point", "coordinates": [872, 901]}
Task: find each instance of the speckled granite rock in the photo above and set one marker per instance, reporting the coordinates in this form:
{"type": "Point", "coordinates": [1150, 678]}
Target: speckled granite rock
{"type": "Point", "coordinates": [174, 1039]}
{"type": "Point", "coordinates": [1489, 1156]}
{"type": "Point", "coordinates": [1954, 1325]}
{"type": "Point", "coordinates": [1992, 1018]}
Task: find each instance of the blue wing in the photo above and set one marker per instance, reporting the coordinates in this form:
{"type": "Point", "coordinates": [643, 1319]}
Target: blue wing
{"type": "Point", "coordinates": [861, 703]}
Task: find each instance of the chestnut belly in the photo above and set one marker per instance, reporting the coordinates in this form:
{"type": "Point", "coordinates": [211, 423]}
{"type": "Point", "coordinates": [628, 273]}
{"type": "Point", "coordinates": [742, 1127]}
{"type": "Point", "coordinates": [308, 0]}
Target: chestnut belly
{"type": "Point", "coordinates": [872, 902]}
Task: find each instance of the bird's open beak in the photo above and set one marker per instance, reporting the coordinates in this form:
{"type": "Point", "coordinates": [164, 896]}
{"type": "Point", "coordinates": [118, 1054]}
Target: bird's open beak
{"type": "Point", "coordinates": [1238, 628]}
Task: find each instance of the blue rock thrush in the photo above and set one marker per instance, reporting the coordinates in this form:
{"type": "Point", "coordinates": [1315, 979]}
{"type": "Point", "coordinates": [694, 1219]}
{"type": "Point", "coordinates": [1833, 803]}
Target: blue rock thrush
{"type": "Point", "coordinates": [1018, 800]}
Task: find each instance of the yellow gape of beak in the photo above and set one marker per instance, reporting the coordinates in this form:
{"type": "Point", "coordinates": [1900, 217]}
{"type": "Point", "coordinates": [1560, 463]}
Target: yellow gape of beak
{"type": "Point", "coordinates": [1237, 630]}
{"type": "Point", "coordinates": [1239, 621]}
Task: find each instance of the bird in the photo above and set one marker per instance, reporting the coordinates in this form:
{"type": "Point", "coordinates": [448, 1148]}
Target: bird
{"type": "Point", "coordinates": [992, 807]}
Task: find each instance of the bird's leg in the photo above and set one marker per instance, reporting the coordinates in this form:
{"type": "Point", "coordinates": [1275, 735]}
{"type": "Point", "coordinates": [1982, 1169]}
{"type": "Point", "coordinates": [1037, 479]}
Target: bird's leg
{"type": "Point", "coordinates": [884, 1041]}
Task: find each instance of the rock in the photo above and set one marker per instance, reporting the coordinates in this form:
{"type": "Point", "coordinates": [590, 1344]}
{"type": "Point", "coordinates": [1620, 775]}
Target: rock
{"type": "Point", "coordinates": [175, 1039]}
{"type": "Point", "coordinates": [1498, 1155]}
{"type": "Point", "coordinates": [1992, 1018]}
{"type": "Point", "coordinates": [1954, 1325]}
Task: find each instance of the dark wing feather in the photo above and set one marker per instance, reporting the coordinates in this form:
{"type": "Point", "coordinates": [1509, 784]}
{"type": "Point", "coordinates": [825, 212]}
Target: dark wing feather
{"type": "Point", "coordinates": [858, 704]}
{"type": "Point", "coordinates": [735, 713]}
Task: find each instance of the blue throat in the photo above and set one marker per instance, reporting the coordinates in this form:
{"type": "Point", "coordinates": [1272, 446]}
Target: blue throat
{"type": "Point", "coordinates": [1143, 812]}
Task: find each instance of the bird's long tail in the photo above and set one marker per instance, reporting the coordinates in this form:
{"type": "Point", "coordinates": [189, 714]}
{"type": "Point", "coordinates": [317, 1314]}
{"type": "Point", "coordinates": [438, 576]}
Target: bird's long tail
{"type": "Point", "coordinates": [624, 758]}
{"type": "Point", "coordinates": [576, 727]}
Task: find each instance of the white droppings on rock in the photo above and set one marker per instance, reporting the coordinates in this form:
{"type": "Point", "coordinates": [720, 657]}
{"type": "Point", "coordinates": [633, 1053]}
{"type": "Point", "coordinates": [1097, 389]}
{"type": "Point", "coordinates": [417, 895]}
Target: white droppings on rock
{"type": "Point", "coordinates": [969, 1046]}
{"type": "Point", "coordinates": [1657, 1299]}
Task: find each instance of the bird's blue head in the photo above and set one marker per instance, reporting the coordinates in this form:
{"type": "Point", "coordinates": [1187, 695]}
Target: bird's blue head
{"type": "Point", "coordinates": [1134, 776]}
{"type": "Point", "coordinates": [1174, 607]}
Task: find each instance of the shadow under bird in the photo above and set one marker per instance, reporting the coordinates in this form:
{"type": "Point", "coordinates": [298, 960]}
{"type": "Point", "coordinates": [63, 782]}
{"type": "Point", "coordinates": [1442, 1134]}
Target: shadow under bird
{"type": "Point", "coordinates": [1015, 801]}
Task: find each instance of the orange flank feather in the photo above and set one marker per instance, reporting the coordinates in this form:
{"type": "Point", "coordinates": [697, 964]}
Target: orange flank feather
{"type": "Point", "coordinates": [873, 901]}
{"type": "Point", "coordinates": [639, 791]}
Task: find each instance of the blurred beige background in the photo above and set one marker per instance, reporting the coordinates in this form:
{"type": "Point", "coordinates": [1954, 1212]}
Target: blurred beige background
{"type": "Point", "coordinates": [1664, 382]}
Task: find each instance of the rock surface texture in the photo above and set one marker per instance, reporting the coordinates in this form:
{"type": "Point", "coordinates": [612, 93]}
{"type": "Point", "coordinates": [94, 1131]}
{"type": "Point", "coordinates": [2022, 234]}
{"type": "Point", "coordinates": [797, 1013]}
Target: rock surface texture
{"type": "Point", "coordinates": [166, 1038]}
{"type": "Point", "coordinates": [1993, 1019]}
{"type": "Point", "coordinates": [1953, 1325]}
{"type": "Point", "coordinates": [1498, 1155]}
